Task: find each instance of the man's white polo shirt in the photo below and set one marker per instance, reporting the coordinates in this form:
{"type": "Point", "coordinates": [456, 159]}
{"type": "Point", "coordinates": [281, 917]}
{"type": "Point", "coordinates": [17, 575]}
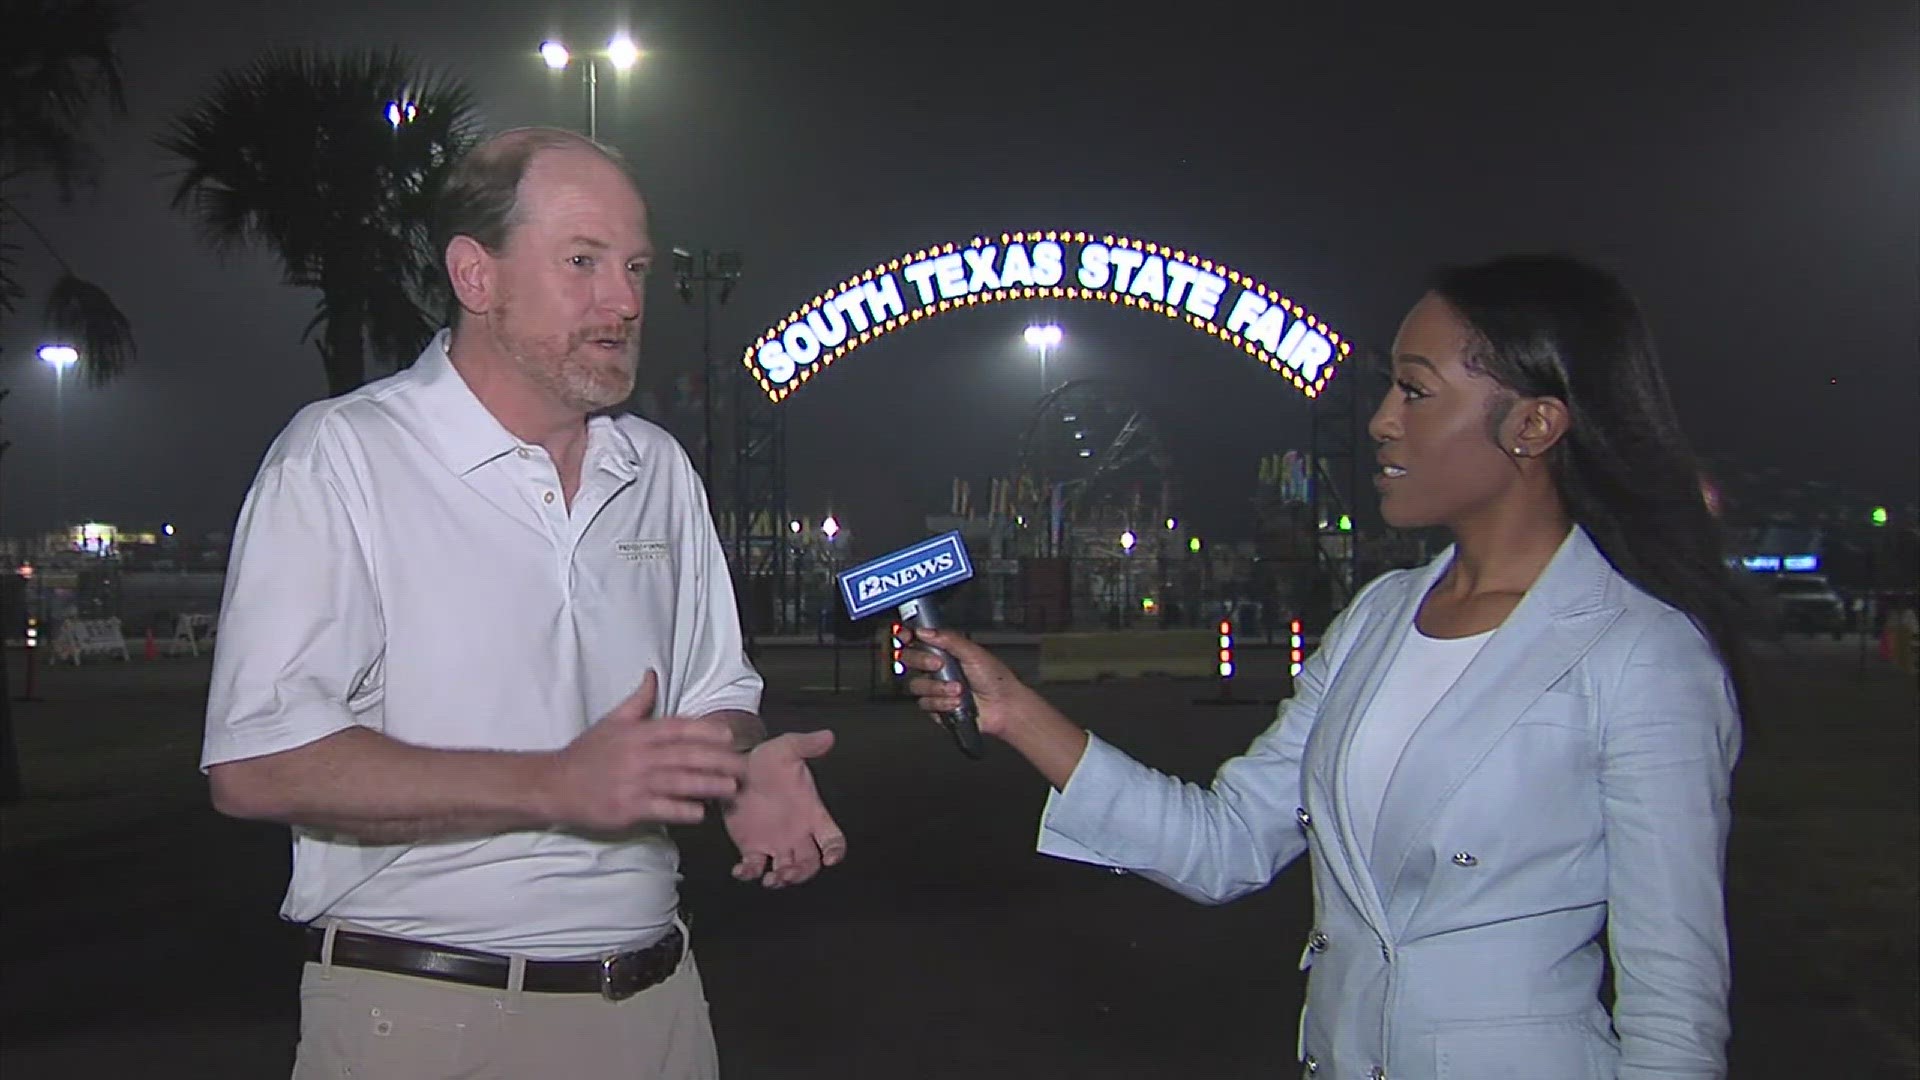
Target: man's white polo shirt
{"type": "Point", "coordinates": [403, 562]}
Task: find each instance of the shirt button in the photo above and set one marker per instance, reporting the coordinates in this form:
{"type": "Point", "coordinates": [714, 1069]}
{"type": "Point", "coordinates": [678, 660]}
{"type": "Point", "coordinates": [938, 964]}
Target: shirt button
{"type": "Point", "coordinates": [1305, 819]}
{"type": "Point", "coordinates": [1377, 1073]}
{"type": "Point", "coordinates": [547, 498]}
{"type": "Point", "coordinates": [1386, 953]}
{"type": "Point", "coordinates": [1318, 942]}
{"type": "Point", "coordinates": [1313, 1065]}
{"type": "Point", "coordinates": [524, 452]}
{"type": "Point", "coordinates": [1464, 858]}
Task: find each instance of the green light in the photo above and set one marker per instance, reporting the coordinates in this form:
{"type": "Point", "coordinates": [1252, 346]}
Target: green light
{"type": "Point", "coordinates": [1346, 523]}
{"type": "Point", "coordinates": [1879, 515]}
{"type": "Point", "coordinates": [1193, 544]}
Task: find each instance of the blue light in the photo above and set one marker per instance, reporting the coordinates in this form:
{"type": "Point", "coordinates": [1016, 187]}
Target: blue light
{"type": "Point", "coordinates": [1761, 562]}
{"type": "Point", "coordinates": [1801, 564]}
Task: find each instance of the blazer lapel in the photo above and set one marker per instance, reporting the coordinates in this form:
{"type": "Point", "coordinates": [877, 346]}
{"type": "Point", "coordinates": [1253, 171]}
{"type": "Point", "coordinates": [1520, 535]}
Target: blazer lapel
{"type": "Point", "coordinates": [1347, 700]}
{"type": "Point", "coordinates": [1552, 627]}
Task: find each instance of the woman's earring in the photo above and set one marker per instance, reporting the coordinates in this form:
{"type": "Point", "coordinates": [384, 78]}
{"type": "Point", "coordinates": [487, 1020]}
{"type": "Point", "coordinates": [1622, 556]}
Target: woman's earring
{"type": "Point", "coordinates": [1519, 451]}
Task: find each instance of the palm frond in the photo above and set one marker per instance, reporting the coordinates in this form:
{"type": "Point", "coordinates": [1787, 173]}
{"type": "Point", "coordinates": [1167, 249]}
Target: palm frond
{"type": "Point", "coordinates": [11, 291]}
{"type": "Point", "coordinates": [58, 62]}
{"type": "Point", "coordinates": [83, 315]}
{"type": "Point", "coordinates": [294, 154]}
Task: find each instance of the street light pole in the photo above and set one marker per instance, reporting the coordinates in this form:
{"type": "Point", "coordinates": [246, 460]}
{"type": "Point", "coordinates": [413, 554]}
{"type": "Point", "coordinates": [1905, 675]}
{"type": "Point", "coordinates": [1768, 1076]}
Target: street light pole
{"type": "Point", "coordinates": [1043, 338]}
{"type": "Point", "coordinates": [592, 76]}
{"type": "Point", "coordinates": [621, 52]}
{"type": "Point", "coordinates": [60, 357]}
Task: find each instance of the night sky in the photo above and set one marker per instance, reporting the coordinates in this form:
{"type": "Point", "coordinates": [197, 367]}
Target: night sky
{"type": "Point", "coordinates": [1753, 176]}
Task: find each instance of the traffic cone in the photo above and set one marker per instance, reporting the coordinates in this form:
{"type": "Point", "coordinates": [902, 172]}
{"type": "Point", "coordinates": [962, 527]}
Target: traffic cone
{"type": "Point", "coordinates": [152, 651]}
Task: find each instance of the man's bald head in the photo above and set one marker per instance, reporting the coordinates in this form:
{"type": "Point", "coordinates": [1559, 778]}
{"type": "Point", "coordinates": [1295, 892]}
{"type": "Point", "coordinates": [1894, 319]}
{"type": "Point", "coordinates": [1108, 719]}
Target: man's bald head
{"type": "Point", "coordinates": [481, 195]}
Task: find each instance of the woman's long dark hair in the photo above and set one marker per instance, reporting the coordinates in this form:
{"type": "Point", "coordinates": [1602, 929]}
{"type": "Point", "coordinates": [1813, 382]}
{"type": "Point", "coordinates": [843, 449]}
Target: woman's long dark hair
{"type": "Point", "coordinates": [1552, 326]}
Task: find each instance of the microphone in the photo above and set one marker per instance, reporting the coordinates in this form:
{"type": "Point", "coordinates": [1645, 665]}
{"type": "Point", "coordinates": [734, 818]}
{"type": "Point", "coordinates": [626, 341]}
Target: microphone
{"type": "Point", "coordinates": [906, 580]}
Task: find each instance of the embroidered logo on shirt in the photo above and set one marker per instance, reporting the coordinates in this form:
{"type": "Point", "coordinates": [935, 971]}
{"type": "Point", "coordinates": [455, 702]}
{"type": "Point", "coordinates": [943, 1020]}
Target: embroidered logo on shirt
{"type": "Point", "coordinates": [642, 550]}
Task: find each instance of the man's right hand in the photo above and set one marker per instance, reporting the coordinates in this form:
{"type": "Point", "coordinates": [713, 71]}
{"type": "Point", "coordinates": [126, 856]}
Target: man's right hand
{"type": "Point", "coordinates": [631, 769]}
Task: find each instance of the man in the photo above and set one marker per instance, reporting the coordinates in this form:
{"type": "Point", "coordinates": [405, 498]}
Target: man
{"type": "Point", "coordinates": [479, 648]}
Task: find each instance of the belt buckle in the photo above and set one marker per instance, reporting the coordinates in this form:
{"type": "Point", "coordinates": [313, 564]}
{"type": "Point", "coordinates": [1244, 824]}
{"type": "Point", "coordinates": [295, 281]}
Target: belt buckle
{"type": "Point", "coordinates": [618, 981]}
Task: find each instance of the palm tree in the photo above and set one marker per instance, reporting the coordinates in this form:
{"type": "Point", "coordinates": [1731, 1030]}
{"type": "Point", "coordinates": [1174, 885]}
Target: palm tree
{"type": "Point", "coordinates": [329, 162]}
{"type": "Point", "coordinates": [58, 61]}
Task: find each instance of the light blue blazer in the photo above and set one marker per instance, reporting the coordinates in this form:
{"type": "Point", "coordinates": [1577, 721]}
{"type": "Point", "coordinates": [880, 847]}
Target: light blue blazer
{"type": "Point", "coordinates": [1575, 778]}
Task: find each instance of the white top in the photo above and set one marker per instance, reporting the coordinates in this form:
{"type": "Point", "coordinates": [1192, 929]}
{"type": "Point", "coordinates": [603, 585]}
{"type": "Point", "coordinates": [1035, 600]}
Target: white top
{"type": "Point", "coordinates": [404, 562]}
{"type": "Point", "coordinates": [1422, 672]}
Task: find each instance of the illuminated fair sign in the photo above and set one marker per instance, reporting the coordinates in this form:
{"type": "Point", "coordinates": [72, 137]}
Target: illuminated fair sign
{"type": "Point", "coordinates": [1211, 297]}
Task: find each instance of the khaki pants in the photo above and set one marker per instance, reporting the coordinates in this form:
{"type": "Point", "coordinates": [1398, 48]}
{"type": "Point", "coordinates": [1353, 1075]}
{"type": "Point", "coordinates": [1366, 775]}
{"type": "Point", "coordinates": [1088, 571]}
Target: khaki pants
{"type": "Point", "coordinates": [369, 1025]}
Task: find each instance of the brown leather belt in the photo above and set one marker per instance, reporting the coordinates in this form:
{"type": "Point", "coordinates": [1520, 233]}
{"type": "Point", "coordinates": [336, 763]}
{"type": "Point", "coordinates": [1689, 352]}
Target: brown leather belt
{"type": "Point", "coordinates": [616, 977]}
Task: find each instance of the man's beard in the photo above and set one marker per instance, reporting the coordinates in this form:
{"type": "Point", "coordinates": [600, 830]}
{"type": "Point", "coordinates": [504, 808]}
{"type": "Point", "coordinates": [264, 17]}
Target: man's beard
{"type": "Point", "coordinates": [572, 367]}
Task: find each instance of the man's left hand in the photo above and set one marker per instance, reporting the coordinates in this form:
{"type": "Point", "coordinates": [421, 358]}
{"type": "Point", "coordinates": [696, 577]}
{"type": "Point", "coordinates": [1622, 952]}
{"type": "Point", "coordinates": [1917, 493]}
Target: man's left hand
{"type": "Point", "coordinates": [778, 822]}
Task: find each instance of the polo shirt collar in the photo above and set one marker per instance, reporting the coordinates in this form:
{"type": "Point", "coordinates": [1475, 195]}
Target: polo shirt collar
{"type": "Point", "coordinates": [464, 435]}
{"type": "Point", "coordinates": [454, 425]}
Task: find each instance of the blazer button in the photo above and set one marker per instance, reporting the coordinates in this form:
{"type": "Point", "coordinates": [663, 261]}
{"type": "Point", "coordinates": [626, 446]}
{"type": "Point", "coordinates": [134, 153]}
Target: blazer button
{"type": "Point", "coordinates": [1318, 941]}
{"type": "Point", "coordinates": [1305, 819]}
{"type": "Point", "coordinates": [1464, 858]}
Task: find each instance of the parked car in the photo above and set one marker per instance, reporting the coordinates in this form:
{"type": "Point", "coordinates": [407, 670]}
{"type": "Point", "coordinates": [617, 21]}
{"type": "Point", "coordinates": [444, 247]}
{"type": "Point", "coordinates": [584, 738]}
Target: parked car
{"type": "Point", "coordinates": [1806, 603]}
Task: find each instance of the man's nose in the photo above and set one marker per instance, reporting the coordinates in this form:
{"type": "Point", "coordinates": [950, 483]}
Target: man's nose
{"type": "Point", "coordinates": [623, 297]}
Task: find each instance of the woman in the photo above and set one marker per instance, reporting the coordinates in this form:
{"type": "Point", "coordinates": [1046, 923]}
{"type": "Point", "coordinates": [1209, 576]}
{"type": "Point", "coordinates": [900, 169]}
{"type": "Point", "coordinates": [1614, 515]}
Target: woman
{"type": "Point", "coordinates": [1495, 758]}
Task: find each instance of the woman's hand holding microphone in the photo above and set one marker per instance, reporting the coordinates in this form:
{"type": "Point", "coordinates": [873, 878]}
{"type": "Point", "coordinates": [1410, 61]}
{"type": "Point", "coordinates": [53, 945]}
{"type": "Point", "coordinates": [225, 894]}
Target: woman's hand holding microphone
{"type": "Point", "coordinates": [1009, 710]}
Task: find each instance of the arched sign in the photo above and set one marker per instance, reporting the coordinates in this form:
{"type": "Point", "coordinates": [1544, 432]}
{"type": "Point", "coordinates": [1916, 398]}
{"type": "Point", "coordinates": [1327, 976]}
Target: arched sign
{"type": "Point", "coordinates": [1212, 297]}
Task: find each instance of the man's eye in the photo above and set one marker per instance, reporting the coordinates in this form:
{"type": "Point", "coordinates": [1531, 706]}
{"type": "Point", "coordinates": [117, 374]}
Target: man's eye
{"type": "Point", "coordinates": [582, 262]}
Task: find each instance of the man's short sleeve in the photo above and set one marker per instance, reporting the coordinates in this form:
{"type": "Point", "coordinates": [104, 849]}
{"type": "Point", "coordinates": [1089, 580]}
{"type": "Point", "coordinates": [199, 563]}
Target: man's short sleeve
{"type": "Point", "coordinates": [300, 635]}
{"type": "Point", "coordinates": [710, 657]}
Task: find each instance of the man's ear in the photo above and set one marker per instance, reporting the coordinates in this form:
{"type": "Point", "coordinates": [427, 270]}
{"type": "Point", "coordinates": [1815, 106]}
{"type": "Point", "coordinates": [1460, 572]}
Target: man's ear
{"type": "Point", "coordinates": [471, 272]}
